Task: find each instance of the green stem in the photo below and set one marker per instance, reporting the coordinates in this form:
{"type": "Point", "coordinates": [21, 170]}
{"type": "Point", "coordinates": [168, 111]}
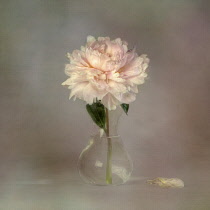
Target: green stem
{"type": "Point", "coordinates": [109, 152]}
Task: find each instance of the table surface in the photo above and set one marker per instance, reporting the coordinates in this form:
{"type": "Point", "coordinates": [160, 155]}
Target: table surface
{"type": "Point", "coordinates": [50, 184]}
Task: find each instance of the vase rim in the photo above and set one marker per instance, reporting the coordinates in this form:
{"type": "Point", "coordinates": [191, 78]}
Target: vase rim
{"type": "Point", "coordinates": [105, 137]}
{"type": "Point", "coordinates": [110, 137]}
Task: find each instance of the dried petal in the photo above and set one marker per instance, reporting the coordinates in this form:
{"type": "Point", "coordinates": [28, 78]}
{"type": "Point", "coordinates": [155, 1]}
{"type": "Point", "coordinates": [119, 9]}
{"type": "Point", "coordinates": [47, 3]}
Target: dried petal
{"type": "Point", "coordinates": [167, 182]}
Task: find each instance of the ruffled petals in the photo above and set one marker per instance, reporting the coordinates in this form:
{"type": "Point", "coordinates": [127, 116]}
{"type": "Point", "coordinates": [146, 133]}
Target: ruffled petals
{"type": "Point", "coordinates": [105, 70]}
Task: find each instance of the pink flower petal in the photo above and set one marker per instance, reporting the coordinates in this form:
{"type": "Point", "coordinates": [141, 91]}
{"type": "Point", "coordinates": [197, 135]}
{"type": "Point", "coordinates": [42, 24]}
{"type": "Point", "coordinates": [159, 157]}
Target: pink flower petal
{"type": "Point", "coordinates": [105, 69]}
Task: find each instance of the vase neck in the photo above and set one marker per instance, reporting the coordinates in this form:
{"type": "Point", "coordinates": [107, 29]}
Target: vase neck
{"type": "Point", "coordinates": [112, 118]}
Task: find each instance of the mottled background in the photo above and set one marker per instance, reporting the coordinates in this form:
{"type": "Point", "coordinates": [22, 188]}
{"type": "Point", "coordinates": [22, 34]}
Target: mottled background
{"type": "Point", "coordinates": [42, 132]}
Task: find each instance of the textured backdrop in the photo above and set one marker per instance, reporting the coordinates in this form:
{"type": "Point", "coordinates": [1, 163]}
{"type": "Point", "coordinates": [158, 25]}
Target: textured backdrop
{"type": "Point", "coordinates": [42, 132]}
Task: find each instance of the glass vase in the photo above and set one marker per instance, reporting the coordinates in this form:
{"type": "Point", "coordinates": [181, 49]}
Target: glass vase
{"type": "Point", "coordinates": [105, 161]}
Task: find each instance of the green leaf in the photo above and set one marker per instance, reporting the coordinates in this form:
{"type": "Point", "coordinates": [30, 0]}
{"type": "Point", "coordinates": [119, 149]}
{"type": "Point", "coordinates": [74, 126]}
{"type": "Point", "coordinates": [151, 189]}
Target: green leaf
{"type": "Point", "coordinates": [125, 107]}
{"type": "Point", "coordinates": [97, 113]}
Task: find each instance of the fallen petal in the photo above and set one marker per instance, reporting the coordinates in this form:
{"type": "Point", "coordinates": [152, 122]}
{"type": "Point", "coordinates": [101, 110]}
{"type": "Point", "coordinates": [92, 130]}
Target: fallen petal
{"type": "Point", "coordinates": [167, 182]}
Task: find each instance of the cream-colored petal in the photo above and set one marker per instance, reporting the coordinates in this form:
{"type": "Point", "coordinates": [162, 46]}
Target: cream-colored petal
{"type": "Point", "coordinates": [90, 39]}
{"type": "Point", "coordinates": [90, 93]}
{"type": "Point", "coordinates": [78, 89]}
{"type": "Point", "coordinates": [167, 182]}
{"type": "Point", "coordinates": [116, 87]}
{"type": "Point", "coordinates": [126, 98]}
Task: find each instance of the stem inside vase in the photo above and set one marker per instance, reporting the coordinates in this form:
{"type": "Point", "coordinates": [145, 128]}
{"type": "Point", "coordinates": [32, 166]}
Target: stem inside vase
{"type": "Point", "coordinates": [109, 151]}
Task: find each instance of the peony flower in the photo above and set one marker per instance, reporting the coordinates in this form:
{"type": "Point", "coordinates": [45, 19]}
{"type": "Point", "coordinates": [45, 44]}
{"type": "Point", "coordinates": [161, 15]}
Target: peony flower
{"type": "Point", "coordinates": [105, 70]}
